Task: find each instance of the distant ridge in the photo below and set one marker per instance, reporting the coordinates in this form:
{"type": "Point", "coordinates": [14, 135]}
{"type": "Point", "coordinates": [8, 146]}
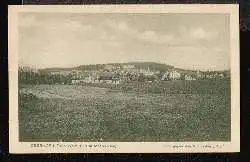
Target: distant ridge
{"type": "Point", "coordinates": [138, 65]}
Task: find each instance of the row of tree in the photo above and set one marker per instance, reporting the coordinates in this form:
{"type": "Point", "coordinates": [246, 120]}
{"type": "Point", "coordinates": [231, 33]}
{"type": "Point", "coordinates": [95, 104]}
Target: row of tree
{"type": "Point", "coordinates": [29, 77]}
{"type": "Point", "coordinates": [33, 77]}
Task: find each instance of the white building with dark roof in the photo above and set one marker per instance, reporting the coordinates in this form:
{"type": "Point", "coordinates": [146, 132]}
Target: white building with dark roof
{"type": "Point", "coordinates": [174, 75]}
{"type": "Point", "coordinates": [128, 66]}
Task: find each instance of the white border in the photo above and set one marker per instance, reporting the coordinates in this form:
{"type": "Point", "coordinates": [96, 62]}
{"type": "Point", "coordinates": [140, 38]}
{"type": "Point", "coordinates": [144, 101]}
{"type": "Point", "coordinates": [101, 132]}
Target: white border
{"type": "Point", "coordinates": [126, 147]}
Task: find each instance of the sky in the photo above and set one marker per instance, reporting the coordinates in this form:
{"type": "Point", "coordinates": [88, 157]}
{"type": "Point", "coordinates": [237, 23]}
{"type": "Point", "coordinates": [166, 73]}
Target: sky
{"type": "Point", "coordinates": [189, 41]}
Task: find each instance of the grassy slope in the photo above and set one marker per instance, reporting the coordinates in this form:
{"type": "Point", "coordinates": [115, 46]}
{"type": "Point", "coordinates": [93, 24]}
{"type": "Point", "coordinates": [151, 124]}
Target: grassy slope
{"type": "Point", "coordinates": [148, 117]}
{"type": "Point", "coordinates": [177, 86]}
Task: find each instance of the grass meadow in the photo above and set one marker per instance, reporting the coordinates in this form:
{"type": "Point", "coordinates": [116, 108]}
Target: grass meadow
{"type": "Point", "coordinates": [167, 112]}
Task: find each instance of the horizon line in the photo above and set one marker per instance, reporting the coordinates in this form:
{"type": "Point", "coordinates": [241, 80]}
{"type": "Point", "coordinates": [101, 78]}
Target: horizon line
{"type": "Point", "coordinates": [75, 66]}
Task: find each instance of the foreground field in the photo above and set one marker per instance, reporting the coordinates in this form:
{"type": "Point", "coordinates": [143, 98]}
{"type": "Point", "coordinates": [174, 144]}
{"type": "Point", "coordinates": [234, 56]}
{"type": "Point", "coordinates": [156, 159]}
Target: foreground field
{"type": "Point", "coordinates": [83, 113]}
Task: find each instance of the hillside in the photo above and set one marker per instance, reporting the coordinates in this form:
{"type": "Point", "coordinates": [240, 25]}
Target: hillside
{"type": "Point", "coordinates": [138, 65]}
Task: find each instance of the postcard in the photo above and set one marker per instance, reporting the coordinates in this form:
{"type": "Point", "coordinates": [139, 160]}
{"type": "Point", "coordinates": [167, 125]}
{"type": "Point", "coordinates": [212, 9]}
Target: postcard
{"type": "Point", "coordinates": [124, 78]}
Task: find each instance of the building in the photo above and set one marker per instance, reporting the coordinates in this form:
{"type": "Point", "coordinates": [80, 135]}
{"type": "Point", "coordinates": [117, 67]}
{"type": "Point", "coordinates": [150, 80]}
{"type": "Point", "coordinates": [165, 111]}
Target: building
{"type": "Point", "coordinates": [109, 67]}
{"type": "Point", "coordinates": [75, 81]}
{"type": "Point", "coordinates": [28, 69]}
{"type": "Point", "coordinates": [174, 75]}
{"type": "Point", "coordinates": [221, 76]}
{"type": "Point", "coordinates": [64, 73]}
{"type": "Point", "coordinates": [89, 79]}
{"type": "Point", "coordinates": [148, 73]}
{"type": "Point", "coordinates": [126, 67]}
{"type": "Point", "coordinates": [188, 77]}
{"type": "Point", "coordinates": [109, 77]}
{"type": "Point", "coordinates": [118, 81]}
{"type": "Point", "coordinates": [108, 81]}
{"type": "Point", "coordinates": [200, 75]}
{"type": "Point", "coordinates": [165, 76]}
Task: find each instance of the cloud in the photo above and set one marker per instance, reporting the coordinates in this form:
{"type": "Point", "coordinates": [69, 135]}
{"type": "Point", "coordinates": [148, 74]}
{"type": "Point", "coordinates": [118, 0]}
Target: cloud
{"type": "Point", "coordinates": [64, 41]}
{"type": "Point", "coordinates": [198, 57]}
{"type": "Point", "coordinates": [122, 28]}
{"type": "Point", "coordinates": [151, 36]}
{"type": "Point", "coordinates": [198, 33]}
{"type": "Point", "coordinates": [52, 24]}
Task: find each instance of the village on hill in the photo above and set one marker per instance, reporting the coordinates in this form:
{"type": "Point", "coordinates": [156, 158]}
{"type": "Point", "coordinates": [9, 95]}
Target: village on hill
{"type": "Point", "coordinates": [116, 74]}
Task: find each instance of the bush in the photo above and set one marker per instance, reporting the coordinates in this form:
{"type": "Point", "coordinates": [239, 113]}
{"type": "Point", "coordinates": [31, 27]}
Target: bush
{"type": "Point", "coordinates": [28, 96]}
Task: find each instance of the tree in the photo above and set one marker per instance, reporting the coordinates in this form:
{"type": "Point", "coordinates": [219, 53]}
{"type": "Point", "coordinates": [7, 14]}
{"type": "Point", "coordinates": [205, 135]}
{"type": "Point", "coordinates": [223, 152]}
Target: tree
{"type": "Point", "coordinates": [141, 77]}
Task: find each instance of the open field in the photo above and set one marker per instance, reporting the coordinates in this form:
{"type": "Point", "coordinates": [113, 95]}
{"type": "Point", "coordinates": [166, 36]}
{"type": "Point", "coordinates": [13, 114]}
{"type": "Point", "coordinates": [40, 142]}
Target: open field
{"type": "Point", "coordinates": [72, 113]}
{"type": "Point", "coordinates": [176, 86]}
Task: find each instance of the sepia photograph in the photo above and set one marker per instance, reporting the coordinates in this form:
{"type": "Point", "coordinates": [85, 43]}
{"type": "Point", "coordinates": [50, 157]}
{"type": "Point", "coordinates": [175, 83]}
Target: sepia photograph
{"type": "Point", "coordinates": [103, 77]}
